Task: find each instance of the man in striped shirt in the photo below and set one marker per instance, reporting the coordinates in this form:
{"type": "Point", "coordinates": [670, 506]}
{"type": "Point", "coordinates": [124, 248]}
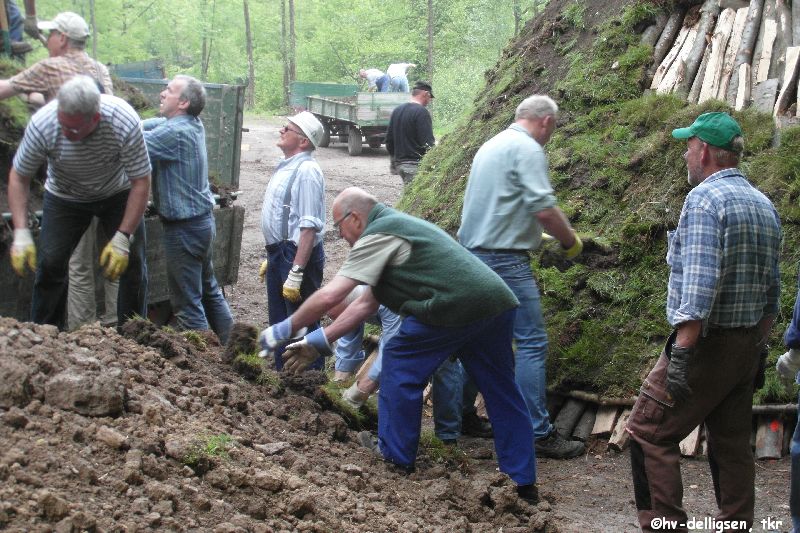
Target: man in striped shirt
{"type": "Point", "coordinates": [722, 298]}
{"type": "Point", "coordinates": [97, 166]}
{"type": "Point", "coordinates": [176, 143]}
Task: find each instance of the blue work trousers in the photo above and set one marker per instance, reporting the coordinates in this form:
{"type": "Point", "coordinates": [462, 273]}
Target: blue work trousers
{"type": "Point", "coordinates": [349, 353]}
{"type": "Point", "coordinates": [453, 393]}
{"type": "Point", "coordinates": [281, 257]}
{"type": "Point", "coordinates": [529, 333]}
{"type": "Point", "coordinates": [484, 347]}
{"type": "Point", "coordinates": [196, 298]}
{"type": "Point", "coordinates": [794, 491]}
{"type": "Point", "coordinates": [398, 84]}
{"type": "Point", "coordinates": [63, 224]}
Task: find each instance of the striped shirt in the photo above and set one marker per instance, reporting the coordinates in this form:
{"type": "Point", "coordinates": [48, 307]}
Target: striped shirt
{"type": "Point", "coordinates": [93, 168]}
{"type": "Point", "coordinates": [724, 255]}
{"type": "Point", "coordinates": [177, 148]}
{"type": "Point", "coordinates": [308, 200]}
{"type": "Point", "coordinates": [48, 75]}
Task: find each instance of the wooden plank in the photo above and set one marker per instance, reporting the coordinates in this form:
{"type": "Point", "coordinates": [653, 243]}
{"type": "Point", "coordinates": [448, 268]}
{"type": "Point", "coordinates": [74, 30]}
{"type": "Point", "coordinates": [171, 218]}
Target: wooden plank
{"type": "Point", "coordinates": [691, 443]}
{"type": "Point", "coordinates": [789, 84]}
{"type": "Point", "coordinates": [783, 39]}
{"type": "Point", "coordinates": [716, 56]}
{"type": "Point", "coordinates": [743, 87]}
{"type": "Point", "coordinates": [568, 416]}
{"type": "Point", "coordinates": [605, 420]}
{"type": "Point", "coordinates": [697, 84]}
{"type": "Point", "coordinates": [666, 63]}
{"type": "Point", "coordinates": [362, 372]}
{"type": "Point", "coordinates": [744, 55]}
{"type": "Point", "coordinates": [676, 71]}
{"type": "Point", "coordinates": [769, 437]}
{"type": "Point", "coordinates": [767, 43]}
{"type": "Point", "coordinates": [764, 95]}
{"type": "Point", "coordinates": [730, 53]}
{"type": "Point", "coordinates": [620, 437]}
{"type": "Point", "coordinates": [708, 16]}
{"type": "Point", "coordinates": [584, 426]}
{"type": "Point", "coordinates": [666, 43]}
{"type": "Point", "coordinates": [795, 22]}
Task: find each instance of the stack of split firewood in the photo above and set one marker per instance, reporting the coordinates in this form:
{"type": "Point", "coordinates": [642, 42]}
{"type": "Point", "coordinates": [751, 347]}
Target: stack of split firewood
{"type": "Point", "coordinates": [744, 53]}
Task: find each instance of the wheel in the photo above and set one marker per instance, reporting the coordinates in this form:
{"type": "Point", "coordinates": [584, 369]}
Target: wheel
{"type": "Point", "coordinates": [326, 135]}
{"type": "Point", "coordinates": [374, 143]}
{"type": "Point", "coordinates": [354, 141]}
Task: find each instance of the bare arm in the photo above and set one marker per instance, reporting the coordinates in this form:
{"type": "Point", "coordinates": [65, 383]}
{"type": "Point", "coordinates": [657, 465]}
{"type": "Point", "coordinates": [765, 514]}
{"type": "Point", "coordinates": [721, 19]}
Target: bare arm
{"type": "Point", "coordinates": [30, 7]}
{"type": "Point", "coordinates": [7, 90]}
{"type": "Point", "coordinates": [688, 333]}
{"type": "Point", "coordinates": [137, 203]}
{"type": "Point", "coordinates": [556, 224]}
{"type": "Point", "coordinates": [355, 314]}
{"type": "Point", "coordinates": [305, 246]}
{"type": "Point", "coordinates": [18, 190]}
{"type": "Point", "coordinates": [321, 301]}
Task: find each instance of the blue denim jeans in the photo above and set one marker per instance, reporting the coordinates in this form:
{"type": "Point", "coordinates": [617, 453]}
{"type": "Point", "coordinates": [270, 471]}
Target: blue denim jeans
{"type": "Point", "coordinates": [15, 21]}
{"type": "Point", "coordinates": [794, 492]}
{"type": "Point", "coordinates": [196, 298]}
{"type": "Point", "coordinates": [63, 224]}
{"type": "Point", "coordinates": [349, 354]}
{"type": "Point", "coordinates": [529, 334]}
{"type": "Point", "coordinates": [382, 84]}
{"type": "Point", "coordinates": [398, 84]}
{"type": "Point", "coordinates": [453, 393]}
{"type": "Point", "coordinates": [281, 256]}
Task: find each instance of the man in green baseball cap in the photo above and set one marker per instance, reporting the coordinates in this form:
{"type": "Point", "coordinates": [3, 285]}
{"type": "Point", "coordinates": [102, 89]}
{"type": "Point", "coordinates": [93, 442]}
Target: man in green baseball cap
{"type": "Point", "coordinates": [722, 297]}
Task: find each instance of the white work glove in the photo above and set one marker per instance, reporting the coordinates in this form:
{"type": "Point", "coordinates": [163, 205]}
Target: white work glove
{"type": "Point", "coordinates": [31, 26]}
{"type": "Point", "coordinates": [291, 287]}
{"type": "Point", "coordinates": [114, 258]}
{"type": "Point", "coordinates": [300, 354]}
{"type": "Point", "coordinates": [787, 366]}
{"type": "Point", "coordinates": [262, 271]}
{"type": "Point", "coordinates": [276, 336]}
{"type": "Point", "coordinates": [355, 397]}
{"type": "Point", "coordinates": [23, 251]}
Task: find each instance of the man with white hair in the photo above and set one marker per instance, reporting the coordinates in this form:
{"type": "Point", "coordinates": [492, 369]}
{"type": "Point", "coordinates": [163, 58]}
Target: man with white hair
{"type": "Point", "coordinates": [293, 220]}
{"type": "Point", "coordinates": [508, 201]}
{"type": "Point", "coordinates": [97, 166]}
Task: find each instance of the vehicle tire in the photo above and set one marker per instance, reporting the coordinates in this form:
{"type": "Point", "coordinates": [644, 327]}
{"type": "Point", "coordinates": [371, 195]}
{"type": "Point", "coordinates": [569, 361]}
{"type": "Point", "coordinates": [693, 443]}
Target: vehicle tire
{"type": "Point", "coordinates": [374, 143]}
{"type": "Point", "coordinates": [354, 141]}
{"type": "Point", "coordinates": [326, 136]}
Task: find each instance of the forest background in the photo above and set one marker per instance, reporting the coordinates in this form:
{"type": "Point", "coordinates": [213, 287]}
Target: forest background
{"type": "Point", "coordinates": [265, 44]}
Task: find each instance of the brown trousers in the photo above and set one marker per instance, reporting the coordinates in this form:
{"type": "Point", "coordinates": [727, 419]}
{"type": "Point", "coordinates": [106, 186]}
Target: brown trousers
{"type": "Point", "coordinates": [721, 375]}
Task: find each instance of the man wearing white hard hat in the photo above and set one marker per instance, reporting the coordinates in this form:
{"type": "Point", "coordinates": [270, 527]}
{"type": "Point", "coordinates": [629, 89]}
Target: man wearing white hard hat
{"type": "Point", "coordinates": [293, 222]}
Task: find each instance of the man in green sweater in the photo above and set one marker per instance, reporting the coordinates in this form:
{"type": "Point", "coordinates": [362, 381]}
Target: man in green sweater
{"type": "Point", "coordinates": [451, 303]}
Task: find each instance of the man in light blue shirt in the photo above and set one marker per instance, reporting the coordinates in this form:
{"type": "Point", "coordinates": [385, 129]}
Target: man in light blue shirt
{"type": "Point", "coordinates": [182, 196]}
{"type": "Point", "coordinates": [508, 201]}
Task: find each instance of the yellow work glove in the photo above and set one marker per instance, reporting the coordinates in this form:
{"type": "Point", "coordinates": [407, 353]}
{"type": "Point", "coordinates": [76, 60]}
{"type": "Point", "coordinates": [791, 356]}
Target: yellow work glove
{"type": "Point", "coordinates": [574, 251]}
{"type": "Point", "coordinates": [262, 271]}
{"type": "Point", "coordinates": [23, 251]}
{"type": "Point", "coordinates": [291, 287]}
{"type": "Point", "coordinates": [114, 258]}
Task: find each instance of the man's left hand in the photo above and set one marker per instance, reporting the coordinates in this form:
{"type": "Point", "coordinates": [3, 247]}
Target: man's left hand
{"type": "Point", "coordinates": [291, 287]}
{"type": "Point", "coordinates": [114, 258]}
{"type": "Point", "coordinates": [300, 354]}
{"type": "Point", "coordinates": [276, 336]}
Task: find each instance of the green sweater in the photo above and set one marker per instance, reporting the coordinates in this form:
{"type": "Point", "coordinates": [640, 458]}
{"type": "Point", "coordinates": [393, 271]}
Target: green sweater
{"type": "Point", "coordinates": [441, 283]}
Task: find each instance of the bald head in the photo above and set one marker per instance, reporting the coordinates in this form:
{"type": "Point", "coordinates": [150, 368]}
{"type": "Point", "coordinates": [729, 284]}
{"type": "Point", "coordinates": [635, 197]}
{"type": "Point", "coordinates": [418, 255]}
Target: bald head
{"type": "Point", "coordinates": [354, 200]}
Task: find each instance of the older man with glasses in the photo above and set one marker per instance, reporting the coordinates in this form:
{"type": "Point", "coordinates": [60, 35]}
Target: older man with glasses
{"type": "Point", "coordinates": [293, 220]}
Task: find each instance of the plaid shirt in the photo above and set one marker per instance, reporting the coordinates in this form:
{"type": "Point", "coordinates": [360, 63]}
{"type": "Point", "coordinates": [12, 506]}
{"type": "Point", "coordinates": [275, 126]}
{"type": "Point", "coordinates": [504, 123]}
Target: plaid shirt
{"type": "Point", "coordinates": [724, 255]}
{"type": "Point", "coordinates": [48, 75]}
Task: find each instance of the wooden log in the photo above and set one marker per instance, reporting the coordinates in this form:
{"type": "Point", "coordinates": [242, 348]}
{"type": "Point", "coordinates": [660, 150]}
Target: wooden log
{"type": "Point", "coordinates": [669, 59]}
{"type": "Point", "coordinates": [769, 438]}
{"type": "Point", "coordinates": [554, 404]}
{"type": "Point", "coordinates": [703, 444]}
{"type": "Point", "coordinates": [744, 55]}
{"type": "Point", "coordinates": [653, 32]}
{"type": "Point", "coordinates": [764, 95]}
{"type": "Point", "coordinates": [691, 443]}
{"type": "Point", "coordinates": [666, 41]}
{"type": "Point", "coordinates": [362, 372]}
{"type": "Point", "coordinates": [730, 53]}
{"type": "Point", "coordinates": [676, 72]}
{"type": "Point", "coordinates": [716, 55]}
{"type": "Point", "coordinates": [697, 85]}
{"type": "Point", "coordinates": [789, 84]}
{"type": "Point", "coordinates": [568, 416]}
{"type": "Point", "coordinates": [620, 436]}
{"type": "Point", "coordinates": [769, 14]}
{"type": "Point", "coordinates": [795, 22]}
{"type": "Point", "coordinates": [708, 17]}
{"type": "Point", "coordinates": [605, 420]}
{"type": "Point", "coordinates": [743, 87]}
{"type": "Point", "coordinates": [788, 432]}
{"type": "Point", "coordinates": [783, 39]}
{"type": "Point", "coordinates": [601, 400]}
{"type": "Point", "coordinates": [767, 45]}
{"type": "Point", "coordinates": [583, 429]}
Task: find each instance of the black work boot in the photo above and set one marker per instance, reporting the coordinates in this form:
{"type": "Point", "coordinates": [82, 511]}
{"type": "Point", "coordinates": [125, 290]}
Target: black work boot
{"type": "Point", "coordinates": [529, 493]}
{"type": "Point", "coordinates": [555, 446]}
{"type": "Point", "coordinates": [475, 426]}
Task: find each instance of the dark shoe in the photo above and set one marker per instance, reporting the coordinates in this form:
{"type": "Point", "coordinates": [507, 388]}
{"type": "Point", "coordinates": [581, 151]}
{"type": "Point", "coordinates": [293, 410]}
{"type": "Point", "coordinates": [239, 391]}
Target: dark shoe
{"type": "Point", "coordinates": [555, 446]}
{"type": "Point", "coordinates": [475, 426]}
{"type": "Point", "coordinates": [529, 493]}
{"type": "Point", "coordinates": [20, 47]}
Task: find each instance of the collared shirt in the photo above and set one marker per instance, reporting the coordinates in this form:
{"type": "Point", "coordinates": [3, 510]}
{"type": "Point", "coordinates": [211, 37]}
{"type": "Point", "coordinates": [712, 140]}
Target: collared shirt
{"type": "Point", "coordinates": [48, 75]}
{"type": "Point", "coordinates": [372, 77]}
{"type": "Point", "coordinates": [96, 167]}
{"type": "Point", "coordinates": [508, 184]}
{"type": "Point", "coordinates": [177, 148]}
{"type": "Point", "coordinates": [397, 69]}
{"type": "Point", "coordinates": [724, 255]}
{"type": "Point", "coordinates": [308, 199]}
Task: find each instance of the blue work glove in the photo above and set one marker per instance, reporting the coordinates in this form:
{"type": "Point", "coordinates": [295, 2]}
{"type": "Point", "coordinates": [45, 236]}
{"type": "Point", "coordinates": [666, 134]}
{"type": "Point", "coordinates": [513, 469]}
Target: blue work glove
{"type": "Point", "coordinates": [276, 336]}
{"type": "Point", "coordinates": [300, 354]}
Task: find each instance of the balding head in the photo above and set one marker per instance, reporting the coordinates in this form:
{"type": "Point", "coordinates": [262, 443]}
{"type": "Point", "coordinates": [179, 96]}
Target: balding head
{"type": "Point", "coordinates": [350, 212]}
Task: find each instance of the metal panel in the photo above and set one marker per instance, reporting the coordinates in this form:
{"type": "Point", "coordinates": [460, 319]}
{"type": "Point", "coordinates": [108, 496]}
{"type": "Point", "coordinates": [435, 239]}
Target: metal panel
{"type": "Point", "coordinates": [300, 90]}
{"type": "Point", "coordinates": [152, 69]}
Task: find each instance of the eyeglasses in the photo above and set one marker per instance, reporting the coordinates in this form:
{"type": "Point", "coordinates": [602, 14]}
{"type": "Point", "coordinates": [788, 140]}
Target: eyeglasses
{"type": "Point", "coordinates": [337, 223]}
{"type": "Point", "coordinates": [298, 132]}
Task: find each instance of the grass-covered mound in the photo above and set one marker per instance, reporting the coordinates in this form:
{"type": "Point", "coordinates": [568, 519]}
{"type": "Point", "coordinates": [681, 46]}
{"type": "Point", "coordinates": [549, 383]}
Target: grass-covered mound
{"type": "Point", "coordinates": [620, 178]}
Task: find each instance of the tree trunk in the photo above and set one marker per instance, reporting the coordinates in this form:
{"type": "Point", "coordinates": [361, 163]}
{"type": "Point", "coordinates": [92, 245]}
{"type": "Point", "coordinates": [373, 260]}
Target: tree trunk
{"type": "Point", "coordinates": [745, 53]}
{"type": "Point", "coordinates": [652, 33]}
{"type": "Point", "coordinates": [430, 40]}
{"type": "Point", "coordinates": [708, 18]}
{"type": "Point", "coordinates": [292, 44]}
{"type": "Point", "coordinates": [730, 53]}
{"type": "Point", "coordinates": [94, 29]}
{"type": "Point", "coordinates": [284, 55]}
{"type": "Point", "coordinates": [709, 86]}
{"type": "Point", "coordinates": [249, 98]}
{"type": "Point", "coordinates": [518, 16]}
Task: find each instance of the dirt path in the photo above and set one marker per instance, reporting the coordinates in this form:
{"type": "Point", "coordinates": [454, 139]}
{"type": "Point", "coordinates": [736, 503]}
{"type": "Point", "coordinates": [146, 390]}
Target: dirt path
{"type": "Point", "coordinates": [591, 493]}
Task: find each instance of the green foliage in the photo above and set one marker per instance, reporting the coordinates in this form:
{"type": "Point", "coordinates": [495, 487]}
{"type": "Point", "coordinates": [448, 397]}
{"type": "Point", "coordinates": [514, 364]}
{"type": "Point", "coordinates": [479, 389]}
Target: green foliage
{"type": "Point", "coordinates": [574, 13]}
{"type": "Point", "coordinates": [208, 447]}
{"type": "Point", "coordinates": [439, 452]}
{"type": "Point", "coordinates": [196, 339]}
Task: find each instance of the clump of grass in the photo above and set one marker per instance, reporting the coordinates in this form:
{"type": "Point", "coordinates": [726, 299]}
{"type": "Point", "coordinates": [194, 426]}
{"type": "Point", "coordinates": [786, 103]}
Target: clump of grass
{"type": "Point", "coordinates": [207, 448]}
{"type": "Point", "coordinates": [437, 451]}
{"type": "Point", "coordinates": [196, 339]}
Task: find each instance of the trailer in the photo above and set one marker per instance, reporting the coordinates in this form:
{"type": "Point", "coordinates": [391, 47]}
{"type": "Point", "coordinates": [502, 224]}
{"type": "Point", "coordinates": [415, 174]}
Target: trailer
{"type": "Point", "coordinates": [357, 119]}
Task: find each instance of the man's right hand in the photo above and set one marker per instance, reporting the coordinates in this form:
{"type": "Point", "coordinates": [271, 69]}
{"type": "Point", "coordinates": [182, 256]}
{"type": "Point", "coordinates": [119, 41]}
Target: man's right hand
{"type": "Point", "coordinates": [788, 365]}
{"type": "Point", "coordinates": [575, 250]}
{"type": "Point", "coordinates": [31, 26]}
{"type": "Point", "coordinates": [678, 373]}
{"type": "Point", "coordinates": [262, 271]}
{"type": "Point", "coordinates": [23, 251]}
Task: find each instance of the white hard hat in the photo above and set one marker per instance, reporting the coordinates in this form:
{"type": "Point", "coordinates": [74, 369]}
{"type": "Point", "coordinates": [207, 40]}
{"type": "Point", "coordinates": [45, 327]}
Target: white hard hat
{"type": "Point", "coordinates": [311, 127]}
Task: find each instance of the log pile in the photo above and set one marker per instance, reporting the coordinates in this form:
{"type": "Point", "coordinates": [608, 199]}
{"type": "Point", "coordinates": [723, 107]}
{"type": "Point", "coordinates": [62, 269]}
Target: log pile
{"type": "Point", "coordinates": [743, 53]}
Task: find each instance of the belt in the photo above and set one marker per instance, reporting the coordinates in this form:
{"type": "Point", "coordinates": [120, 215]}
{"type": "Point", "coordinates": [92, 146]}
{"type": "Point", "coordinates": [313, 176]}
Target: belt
{"type": "Point", "coordinates": [165, 220]}
{"type": "Point", "coordinates": [498, 251]}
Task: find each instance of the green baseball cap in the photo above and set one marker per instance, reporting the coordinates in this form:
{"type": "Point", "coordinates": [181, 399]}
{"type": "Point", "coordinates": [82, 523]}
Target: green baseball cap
{"type": "Point", "coordinates": [716, 129]}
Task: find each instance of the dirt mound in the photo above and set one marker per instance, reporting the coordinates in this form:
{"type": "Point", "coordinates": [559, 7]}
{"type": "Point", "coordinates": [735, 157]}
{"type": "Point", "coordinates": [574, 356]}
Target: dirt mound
{"type": "Point", "coordinates": [103, 433]}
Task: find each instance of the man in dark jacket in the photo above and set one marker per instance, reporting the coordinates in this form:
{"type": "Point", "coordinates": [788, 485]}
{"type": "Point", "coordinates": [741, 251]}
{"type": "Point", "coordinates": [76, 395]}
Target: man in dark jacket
{"type": "Point", "coordinates": [410, 132]}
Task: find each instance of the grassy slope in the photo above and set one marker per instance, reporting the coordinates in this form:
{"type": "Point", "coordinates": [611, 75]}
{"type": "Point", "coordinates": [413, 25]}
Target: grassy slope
{"type": "Point", "coordinates": [620, 178]}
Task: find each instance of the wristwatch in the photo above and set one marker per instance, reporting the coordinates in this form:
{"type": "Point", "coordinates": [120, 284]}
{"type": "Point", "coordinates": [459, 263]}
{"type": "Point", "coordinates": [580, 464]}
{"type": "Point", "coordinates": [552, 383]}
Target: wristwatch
{"type": "Point", "coordinates": [297, 269]}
